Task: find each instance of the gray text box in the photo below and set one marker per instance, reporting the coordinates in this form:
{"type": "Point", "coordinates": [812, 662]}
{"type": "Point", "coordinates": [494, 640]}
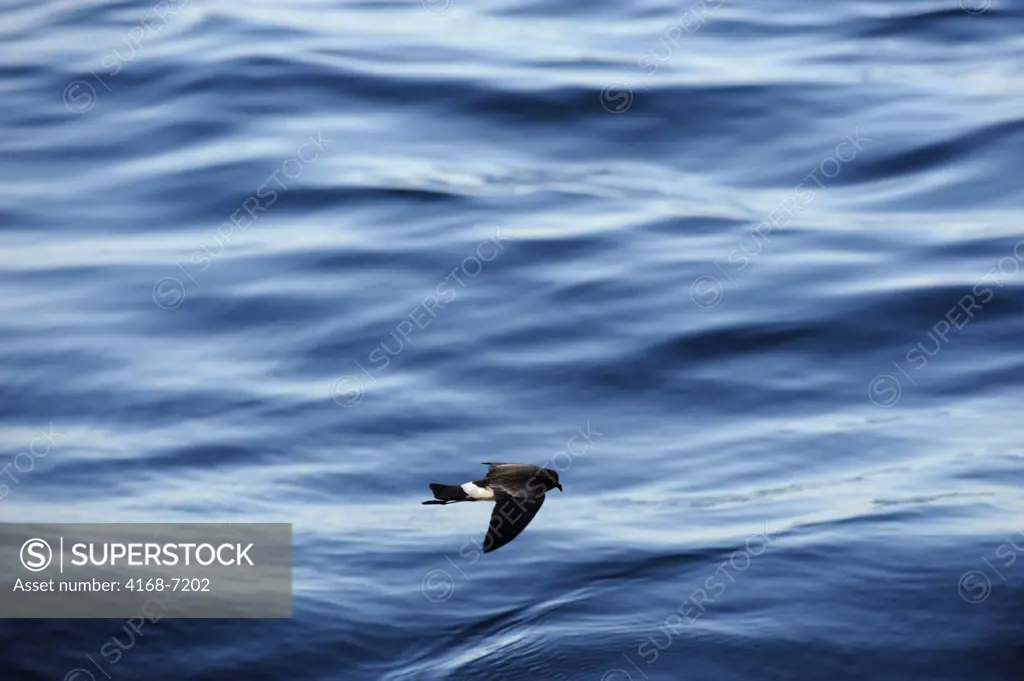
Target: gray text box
{"type": "Point", "coordinates": [154, 570]}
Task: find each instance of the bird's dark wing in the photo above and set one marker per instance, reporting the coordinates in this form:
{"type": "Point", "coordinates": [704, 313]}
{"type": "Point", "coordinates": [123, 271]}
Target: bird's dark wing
{"type": "Point", "coordinates": [511, 514]}
{"type": "Point", "coordinates": [511, 472]}
{"type": "Point", "coordinates": [491, 465]}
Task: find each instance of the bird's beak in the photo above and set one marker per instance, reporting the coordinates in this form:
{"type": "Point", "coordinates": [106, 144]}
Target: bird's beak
{"type": "Point", "coordinates": [559, 488]}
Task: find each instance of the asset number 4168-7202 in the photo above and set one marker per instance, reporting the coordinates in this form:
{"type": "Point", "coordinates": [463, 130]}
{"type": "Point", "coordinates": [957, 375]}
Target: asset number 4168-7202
{"type": "Point", "coordinates": [173, 584]}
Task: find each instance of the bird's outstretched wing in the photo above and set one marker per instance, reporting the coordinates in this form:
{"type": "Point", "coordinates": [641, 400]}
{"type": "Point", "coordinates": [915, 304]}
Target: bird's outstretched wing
{"type": "Point", "coordinates": [510, 470]}
{"type": "Point", "coordinates": [511, 514]}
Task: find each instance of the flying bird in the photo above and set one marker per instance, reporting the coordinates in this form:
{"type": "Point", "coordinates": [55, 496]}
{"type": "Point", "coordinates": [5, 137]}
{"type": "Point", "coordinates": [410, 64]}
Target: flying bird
{"type": "Point", "coordinates": [517, 491]}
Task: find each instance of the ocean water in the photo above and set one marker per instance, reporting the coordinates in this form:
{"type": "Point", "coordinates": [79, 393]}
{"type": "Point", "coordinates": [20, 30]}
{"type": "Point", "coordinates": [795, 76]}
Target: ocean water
{"type": "Point", "coordinates": [747, 273]}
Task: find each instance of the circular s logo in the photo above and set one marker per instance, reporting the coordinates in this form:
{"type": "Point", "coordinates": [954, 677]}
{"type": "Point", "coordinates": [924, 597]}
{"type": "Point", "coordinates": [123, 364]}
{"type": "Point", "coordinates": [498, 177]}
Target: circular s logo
{"type": "Point", "coordinates": [438, 586]}
{"type": "Point", "coordinates": [975, 6]}
{"type": "Point", "coordinates": [706, 292]}
{"type": "Point", "coordinates": [347, 391]}
{"type": "Point", "coordinates": [79, 97]}
{"type": "Point", "coordinates": [974, 586]}
{"type": "Point", "coordinates": [616, 98]}
{"type": "Point", "coordinates": [169, 293]}
{"type": "Point", "coordinates": [79, 675]}
{"type": "Point", "coordinates": [36, 555]}
{"type": "Point", "coordinates": [884, 391]}
{"type": "Point", "coordinates": [437, 6]}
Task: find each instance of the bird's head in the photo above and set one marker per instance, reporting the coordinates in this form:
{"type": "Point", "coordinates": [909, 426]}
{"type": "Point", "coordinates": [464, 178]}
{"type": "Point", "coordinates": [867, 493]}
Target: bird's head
{"type": "Point", "coordinates": [550, 478]}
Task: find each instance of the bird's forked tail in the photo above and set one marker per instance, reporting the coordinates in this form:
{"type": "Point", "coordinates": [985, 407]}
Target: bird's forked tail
{"type": "Point", "coordinates": [446, 494]}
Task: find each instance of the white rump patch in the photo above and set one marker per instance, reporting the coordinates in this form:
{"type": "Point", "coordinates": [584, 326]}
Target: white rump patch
{"type": "Point", "coordinates": [479, 493]}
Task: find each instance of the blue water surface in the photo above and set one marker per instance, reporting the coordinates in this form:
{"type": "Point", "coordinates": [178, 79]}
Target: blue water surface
{"type": "Point", "coordinates": [747, 273]}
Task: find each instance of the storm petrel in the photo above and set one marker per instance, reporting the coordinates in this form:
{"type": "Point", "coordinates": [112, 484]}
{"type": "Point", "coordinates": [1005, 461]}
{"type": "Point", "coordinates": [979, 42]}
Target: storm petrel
{"type": "Point", "coordinates": [517, 491]}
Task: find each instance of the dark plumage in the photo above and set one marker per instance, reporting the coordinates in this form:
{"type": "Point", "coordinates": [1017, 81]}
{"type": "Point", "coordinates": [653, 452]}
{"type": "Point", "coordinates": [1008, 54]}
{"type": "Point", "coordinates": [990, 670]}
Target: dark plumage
{"type": "Point", "coordinates": [517, 491]}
